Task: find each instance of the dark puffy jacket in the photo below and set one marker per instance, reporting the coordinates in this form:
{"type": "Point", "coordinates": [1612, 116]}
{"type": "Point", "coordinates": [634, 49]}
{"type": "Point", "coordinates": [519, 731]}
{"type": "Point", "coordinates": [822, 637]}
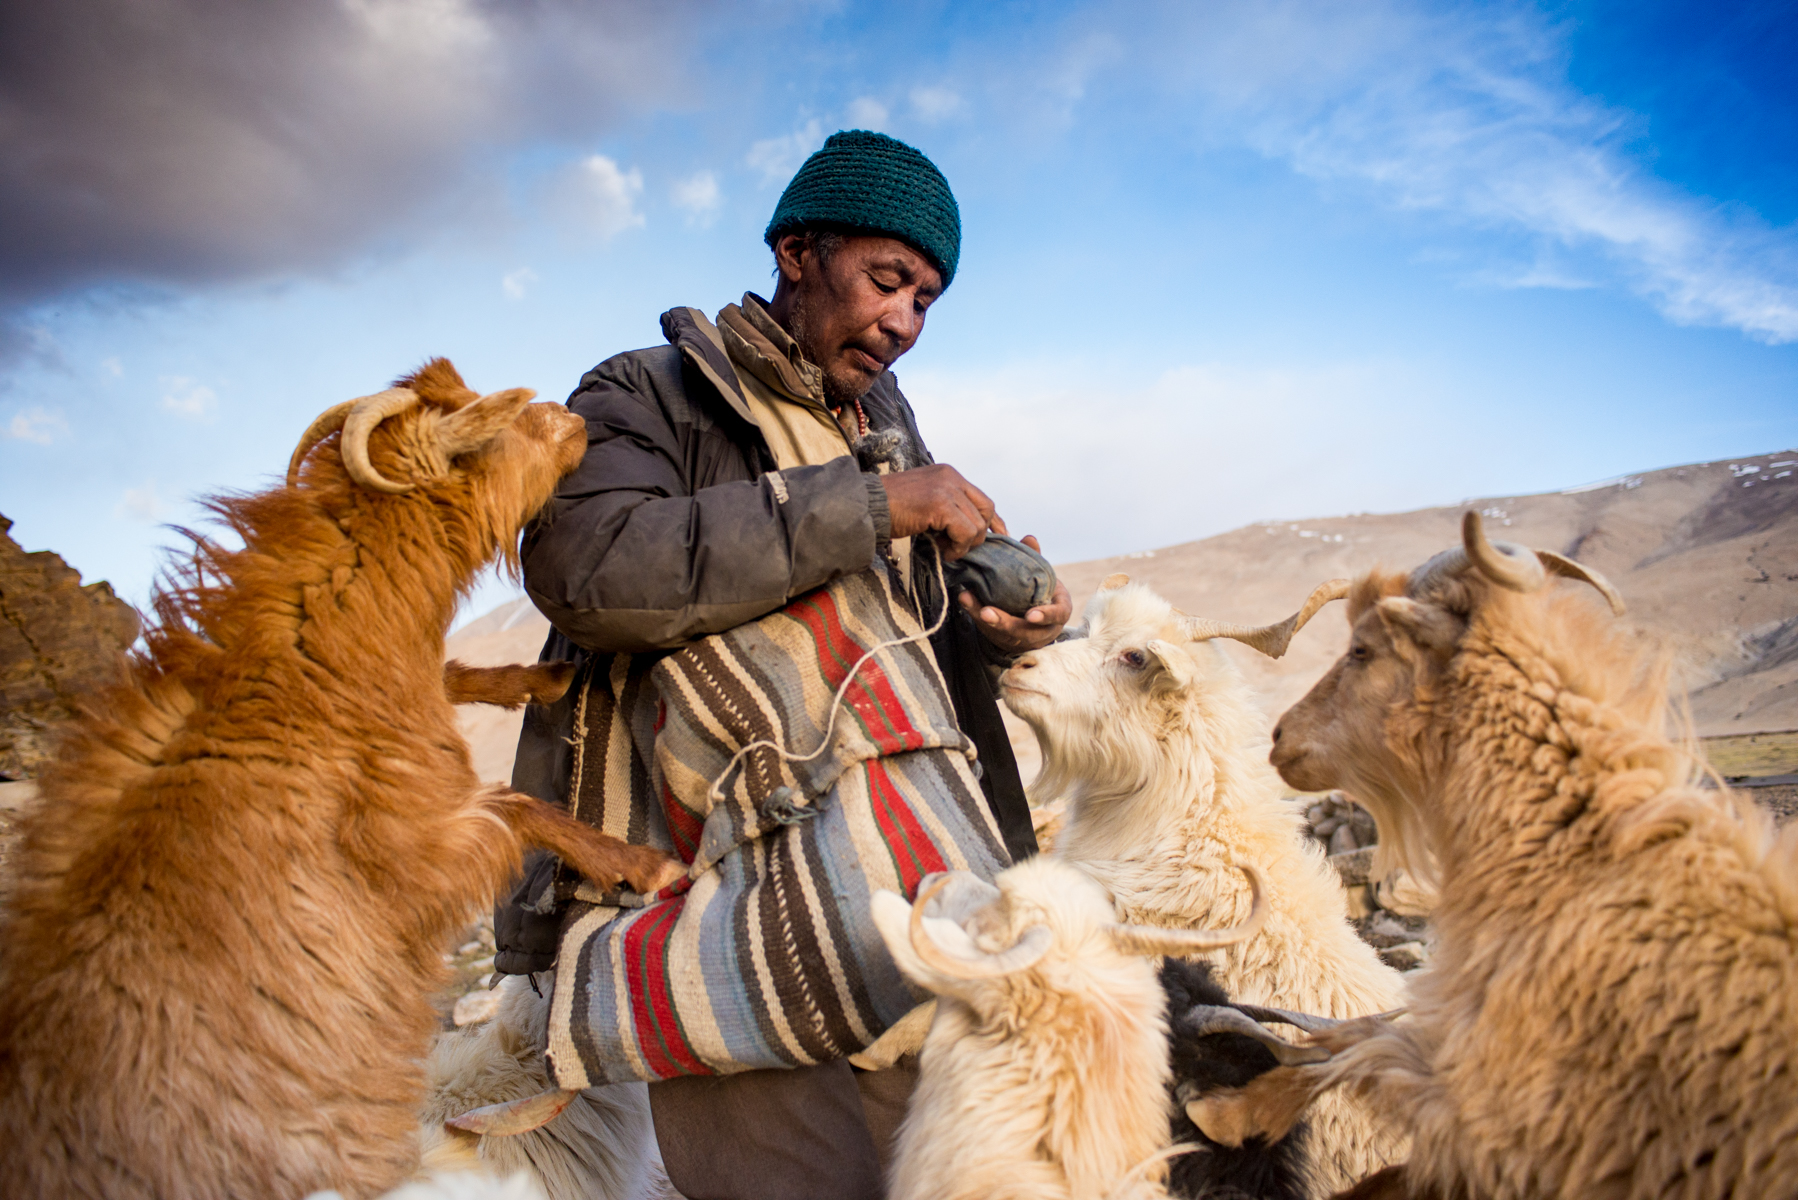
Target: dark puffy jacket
{"type": "Point", "coordinates": [670, 530]}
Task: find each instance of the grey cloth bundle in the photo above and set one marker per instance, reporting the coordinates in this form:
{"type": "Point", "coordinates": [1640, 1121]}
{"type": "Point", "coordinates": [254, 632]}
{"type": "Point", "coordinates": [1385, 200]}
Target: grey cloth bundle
{"type": "Point", "coordinates": [1004, 573]}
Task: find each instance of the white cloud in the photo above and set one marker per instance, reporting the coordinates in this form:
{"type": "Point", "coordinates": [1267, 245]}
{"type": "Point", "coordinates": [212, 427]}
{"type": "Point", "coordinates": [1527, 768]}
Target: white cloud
{"type": "Point", "coordinates": [778, 158]}
{"type": "Point", "coordinates": [698, 196]}
{"type": "Point", "coordinates": [935, 103]}
{"type": "Point", "coordinates": [1469, 113]}
{"type": "Point", "coordinates": [141, 503]}
{"type": "Point", "coordinates": [605, 197]}
{"type": "Point", "coordinates": [112, 366]}
{"type": "Point", "coordinates": [186, 397]}
{"type": "Point", "coordinates": [514, 283]}
{"type": "Point", "coordinates": [38, 425]}
{"type": "Point", "coordinates": [865, 112]}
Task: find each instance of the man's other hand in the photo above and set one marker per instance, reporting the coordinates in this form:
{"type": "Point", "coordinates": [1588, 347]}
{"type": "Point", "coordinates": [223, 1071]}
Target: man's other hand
{"type": "Point", "coordinates": [1032, 631]}
{"type": "Point", "coordinates": [936, 499]}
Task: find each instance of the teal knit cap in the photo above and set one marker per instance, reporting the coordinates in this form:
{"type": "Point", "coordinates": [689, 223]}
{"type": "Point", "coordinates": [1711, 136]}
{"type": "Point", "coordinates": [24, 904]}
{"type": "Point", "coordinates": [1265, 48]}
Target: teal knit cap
{"type": "Point", "coordinates": [868, 182]}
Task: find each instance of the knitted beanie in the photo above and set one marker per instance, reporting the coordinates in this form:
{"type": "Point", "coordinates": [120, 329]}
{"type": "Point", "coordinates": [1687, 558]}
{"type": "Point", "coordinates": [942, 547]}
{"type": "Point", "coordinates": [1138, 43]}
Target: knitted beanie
{"type": "Point", "coordinates": [868, 182]}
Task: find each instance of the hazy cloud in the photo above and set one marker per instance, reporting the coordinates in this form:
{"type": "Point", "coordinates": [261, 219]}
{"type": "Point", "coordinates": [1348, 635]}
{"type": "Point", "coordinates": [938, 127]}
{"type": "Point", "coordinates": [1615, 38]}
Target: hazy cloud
{"type": "Point", "coordinates": [778, 158]}
{"type": "Point", "coordinates": [935, 103]}
{"type": "Point", "coordinates": [141, 503]}
{"type": "Point", "coordinates": [602, 197]}
{"type": "Point", "coordinates": [112, 366]}
{"type": "Point", "coordinates": [865, 112]}
{"type": "Point", "coordinates": [698, 196]}
{"type": "Point", "coordinates": [514, 283]}
{"type": "Point", "coordinates": [197, 140]}
{"type": "Point", "coordinates": [38, 425]}
{"type": "Point", "coordinates": [186, 397]}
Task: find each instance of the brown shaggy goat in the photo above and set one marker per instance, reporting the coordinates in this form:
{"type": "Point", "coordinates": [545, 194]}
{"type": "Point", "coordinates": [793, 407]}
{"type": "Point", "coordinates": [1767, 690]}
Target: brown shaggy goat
{"type": "Point", "coordinates": [1611, 1009]}
{"type": "Point", "coordinates": [217, 959]}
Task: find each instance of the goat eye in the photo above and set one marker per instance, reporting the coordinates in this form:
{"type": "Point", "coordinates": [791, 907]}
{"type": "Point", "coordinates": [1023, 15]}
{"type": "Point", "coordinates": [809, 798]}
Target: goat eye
{"type": "Point", "coordinates": [1359, 652]}
{"type": "Point", "coordinates": [1135, 658]}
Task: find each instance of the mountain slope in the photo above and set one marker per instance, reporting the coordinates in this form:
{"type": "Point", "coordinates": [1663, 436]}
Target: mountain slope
{"type": "Point", "coordinates": [1705, 553]}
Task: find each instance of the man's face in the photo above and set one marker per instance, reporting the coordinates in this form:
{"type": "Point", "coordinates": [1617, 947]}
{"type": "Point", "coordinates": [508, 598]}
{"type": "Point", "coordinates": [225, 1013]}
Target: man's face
{"type": "Point", "coordinates": [856, 314]}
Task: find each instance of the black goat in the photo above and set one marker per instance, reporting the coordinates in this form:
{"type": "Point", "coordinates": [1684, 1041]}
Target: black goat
{"type": "Point", "coordinates": [1205, 1062]}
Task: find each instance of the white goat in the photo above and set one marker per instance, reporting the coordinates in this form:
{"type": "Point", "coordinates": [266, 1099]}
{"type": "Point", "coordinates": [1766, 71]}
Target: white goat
{"type": "Point", "coordinates": [1045, 1072]}
{"type": "Point", "coordinates": [1150, 738]}
{"type": "Point", "coordinates": [599, 1147]}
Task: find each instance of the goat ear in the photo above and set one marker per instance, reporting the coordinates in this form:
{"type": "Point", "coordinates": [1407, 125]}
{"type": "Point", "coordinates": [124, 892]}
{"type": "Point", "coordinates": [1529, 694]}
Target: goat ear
{"type": "Point", "coordinates": [1426, 625]}
{"type": "Point", "coordinates": [1113, 582]}
{"type": "Point", "coordinates": [1176, 664]}
{"type": "Point", "coordinates": [474, 425]}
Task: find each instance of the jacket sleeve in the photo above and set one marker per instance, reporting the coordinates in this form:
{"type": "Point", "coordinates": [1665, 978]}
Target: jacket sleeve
{"type": "Point", "coordinates": [628, 559]}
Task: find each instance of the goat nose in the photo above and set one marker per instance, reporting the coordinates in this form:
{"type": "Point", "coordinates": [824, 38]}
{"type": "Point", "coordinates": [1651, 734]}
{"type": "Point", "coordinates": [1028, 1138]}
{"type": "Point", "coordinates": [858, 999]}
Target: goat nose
{"type": "Point", "coordinates": [1276, 735]}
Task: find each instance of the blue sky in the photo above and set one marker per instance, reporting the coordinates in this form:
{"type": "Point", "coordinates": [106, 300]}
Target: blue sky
{"type": "Point", "coordinates": [1222, 262]}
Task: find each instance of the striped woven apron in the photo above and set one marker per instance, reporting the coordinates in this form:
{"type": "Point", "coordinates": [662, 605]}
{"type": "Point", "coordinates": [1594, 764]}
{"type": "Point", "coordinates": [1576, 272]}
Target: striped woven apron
{"type": "Point", "coordinates": [765, 955]}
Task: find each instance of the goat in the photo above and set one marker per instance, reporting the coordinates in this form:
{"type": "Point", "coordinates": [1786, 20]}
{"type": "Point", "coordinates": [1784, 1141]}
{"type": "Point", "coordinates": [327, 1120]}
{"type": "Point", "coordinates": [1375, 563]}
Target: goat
{"type": "Point", "coordinates": [1045, 1072]}
{"type": "Point", "coordinates": [1207, 1055]}
{"type": "Point", "coordinates": [1611, 1007]}
{"type": "Point", "coordinates": [1149, 737]}
{"type": "Point", "coordinates": [217, 959]}
{"type": "Point", "coordinates": [599, 1147]}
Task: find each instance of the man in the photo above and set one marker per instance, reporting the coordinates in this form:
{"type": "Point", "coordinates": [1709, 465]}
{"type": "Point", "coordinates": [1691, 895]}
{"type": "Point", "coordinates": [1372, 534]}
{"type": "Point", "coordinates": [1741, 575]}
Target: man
{"type": "Point", "coordinates": [721, 480]}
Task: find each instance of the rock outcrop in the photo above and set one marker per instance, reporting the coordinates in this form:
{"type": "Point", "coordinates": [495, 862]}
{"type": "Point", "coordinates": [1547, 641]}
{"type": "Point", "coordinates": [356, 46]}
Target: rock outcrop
{"type": "Point", "coordinates": [58, 639]}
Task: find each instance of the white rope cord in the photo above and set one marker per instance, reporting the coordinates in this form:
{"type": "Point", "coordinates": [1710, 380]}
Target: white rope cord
{"type": "Point", "coordinates": [716, 792]}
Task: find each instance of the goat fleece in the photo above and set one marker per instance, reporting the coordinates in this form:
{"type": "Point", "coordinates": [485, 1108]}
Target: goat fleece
{"type": "Point", "coordinates": [600, 1147]}
{"type": "Point", "coordinates": [1611, 1009]}
{"type": "Point", "coordinates": [1045, 1071]}
{"type": "Point", "coordinates": [1151, 741]}
{"type": "Point", "coordinates": [217, 960]}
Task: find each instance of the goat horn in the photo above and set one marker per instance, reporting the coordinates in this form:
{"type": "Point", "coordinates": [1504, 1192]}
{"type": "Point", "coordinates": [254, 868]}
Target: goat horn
{"type": "Point", "coordinates": [1029, 948]}
{"type": "Point", "coordinates": [322, 427]}
{"type": "Point", "coordinates": [367, 413]}
{"type": "Point", "coordinates": [1271, 640]}
{"type": "Point", "coordinates": [1212, 1018]}
{"type": "Point", "coordinates": [512, 1117]}
{"type": "Point", "coordinates": [1504, 563]}
{"type": "Point", "coordinates": [1305, 1021]}
{"type": "Point", "coordinates": [1151, 940]}
{"type": "Point", "coordinates": [1566, 568]}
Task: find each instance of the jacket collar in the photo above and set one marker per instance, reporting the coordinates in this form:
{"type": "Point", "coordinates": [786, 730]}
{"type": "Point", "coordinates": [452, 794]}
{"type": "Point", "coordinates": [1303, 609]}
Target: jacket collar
{"type": "Point", "coordinates": [756, 342]}
{"type": "Point", "coordinates": [700, 344]}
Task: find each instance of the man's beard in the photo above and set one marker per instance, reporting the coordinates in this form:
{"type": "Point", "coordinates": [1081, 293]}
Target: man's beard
{"type": "Point", "coordinates": [838, 389]}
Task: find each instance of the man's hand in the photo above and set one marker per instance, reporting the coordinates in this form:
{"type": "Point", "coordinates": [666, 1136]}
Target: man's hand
{"type": "Point", "coordinates": [936, 499]}
{"type": "Point", "coordinates": [1034, 630]}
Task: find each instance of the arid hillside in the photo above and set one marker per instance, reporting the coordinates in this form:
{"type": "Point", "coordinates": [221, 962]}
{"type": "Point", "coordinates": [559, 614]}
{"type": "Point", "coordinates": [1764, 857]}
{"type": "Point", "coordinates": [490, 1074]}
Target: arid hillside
{"type": "Point", "coordinates": [1706, 554]}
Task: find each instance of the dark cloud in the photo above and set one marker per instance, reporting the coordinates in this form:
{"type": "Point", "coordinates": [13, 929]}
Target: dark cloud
{"type": "Point", "coordinates": [189, 141]}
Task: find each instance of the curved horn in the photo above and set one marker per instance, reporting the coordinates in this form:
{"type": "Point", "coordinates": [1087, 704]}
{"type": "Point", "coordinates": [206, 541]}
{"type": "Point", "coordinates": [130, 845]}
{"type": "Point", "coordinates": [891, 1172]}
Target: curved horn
{"type": "Point", "coordinates": [322, 427]}
{"type": "Point", "coordinates": [1271, 640]}
{"type": "Point", "coordinates": [367, 413]}
{"type": "Point", "coordinates": [1305, 1021]}
{"type": "Point", "coordinates": [1504, 563]}
{"type": "Point", "coordinates": [1566, 568]}
{"type": "Point", "coordinates": [1028, 949]}
{"type": "Point", "coordinates": [1150, 940]}
{"type": "Point", "coordinates": [1211, 1018]}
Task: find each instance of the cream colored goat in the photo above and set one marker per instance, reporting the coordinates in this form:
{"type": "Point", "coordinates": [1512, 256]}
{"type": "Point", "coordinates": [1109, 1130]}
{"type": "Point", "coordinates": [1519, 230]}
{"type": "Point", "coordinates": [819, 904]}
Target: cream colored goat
{"type": "Point", "coordinates": [1150, 738]}
{"type": "Point", "coordinates": [1045, 1072]}
{"type": "Point", "coordinates": [1612, 1008]}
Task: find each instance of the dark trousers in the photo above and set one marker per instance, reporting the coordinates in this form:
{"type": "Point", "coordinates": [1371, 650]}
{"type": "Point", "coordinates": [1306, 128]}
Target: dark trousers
{"type": "Point", "coordinates": [811, 1133]}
